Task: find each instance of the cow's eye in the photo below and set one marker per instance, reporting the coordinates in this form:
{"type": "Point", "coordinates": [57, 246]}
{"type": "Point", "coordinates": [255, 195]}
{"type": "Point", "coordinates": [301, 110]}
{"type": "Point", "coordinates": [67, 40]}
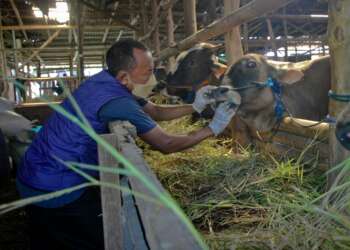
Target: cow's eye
{"type": "Point", "coordinates": [251, 64]}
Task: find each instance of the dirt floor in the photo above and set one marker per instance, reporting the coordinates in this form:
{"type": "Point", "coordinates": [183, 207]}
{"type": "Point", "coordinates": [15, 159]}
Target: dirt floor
{"type": "Point", "coordinates": [13, 225]}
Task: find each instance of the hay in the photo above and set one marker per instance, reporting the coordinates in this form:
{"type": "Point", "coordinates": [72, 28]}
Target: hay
{"type": "Point", "coordinates": [246, 200]}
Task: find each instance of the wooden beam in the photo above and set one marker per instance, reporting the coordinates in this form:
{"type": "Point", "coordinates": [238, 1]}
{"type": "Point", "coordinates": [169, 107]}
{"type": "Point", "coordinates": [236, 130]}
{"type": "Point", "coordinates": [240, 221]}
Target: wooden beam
{"type": "Point", "coordinates": [306, 18]}
{"type": "Point", "coordinates": [190, 17]}
{"type": "Point", "coordinates": [244, 14]}
{"type": "Point", "coordinates": [115, 17]}
{"type": "Point", "coordinates": [57, 27]}
{"type": "Point", "coordinates": [105, 35]}
{"type": "Point", "coordinates": [19, 19]}
{"type": "Point", "coordinates": [233, 44]}
{"type": "Point", "coordinates": [47, 42]}
{"type": "Point", "coordinates": [339, 46]}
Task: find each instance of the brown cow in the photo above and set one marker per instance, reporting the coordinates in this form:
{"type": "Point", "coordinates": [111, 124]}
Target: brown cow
{"type": "Point", "coordinates": [304, 85]}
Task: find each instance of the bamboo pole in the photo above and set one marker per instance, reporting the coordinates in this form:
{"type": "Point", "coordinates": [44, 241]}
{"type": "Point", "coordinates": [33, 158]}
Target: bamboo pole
{"type": "Point", "coordinates": [244, 14]}
{"type": "Point", "coordinates": [339, 37]}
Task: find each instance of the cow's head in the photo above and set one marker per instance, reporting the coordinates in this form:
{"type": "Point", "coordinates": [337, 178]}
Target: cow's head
{"type": "Point", "coordinates": [342, 129]}
{"type": "Point", "coordinates": [194, 67]}
{"type": "Point", "coordinates": [258, 104]}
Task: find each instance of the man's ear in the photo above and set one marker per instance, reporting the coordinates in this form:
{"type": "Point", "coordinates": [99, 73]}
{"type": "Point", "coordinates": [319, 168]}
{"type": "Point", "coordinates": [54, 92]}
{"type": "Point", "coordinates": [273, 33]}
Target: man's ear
{"type": "Point", "coordinates": [289, 76]}
{"type": "Point", "coordinates": [122, 77]}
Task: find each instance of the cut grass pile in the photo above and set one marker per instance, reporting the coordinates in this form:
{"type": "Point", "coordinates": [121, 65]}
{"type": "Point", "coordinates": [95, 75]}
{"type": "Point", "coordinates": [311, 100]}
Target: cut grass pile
{"type": "Point", "coordinates": [249, 200]}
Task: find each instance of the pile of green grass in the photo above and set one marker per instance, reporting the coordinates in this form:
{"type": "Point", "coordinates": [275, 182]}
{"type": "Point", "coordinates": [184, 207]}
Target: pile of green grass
{"type": "Point", "coordinates": [249, 200]}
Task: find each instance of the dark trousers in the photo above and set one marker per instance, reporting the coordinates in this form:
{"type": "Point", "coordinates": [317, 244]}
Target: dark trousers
{"type": "Point", "coordinates": [77, 225]}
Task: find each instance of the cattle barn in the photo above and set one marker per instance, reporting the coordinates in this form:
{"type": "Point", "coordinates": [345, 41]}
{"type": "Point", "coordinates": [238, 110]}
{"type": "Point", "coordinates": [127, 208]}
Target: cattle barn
{"type": "Point", "coordinates": [275, 178]}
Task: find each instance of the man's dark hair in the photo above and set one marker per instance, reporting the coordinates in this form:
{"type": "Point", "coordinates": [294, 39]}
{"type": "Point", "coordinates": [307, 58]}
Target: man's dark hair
{"type": "Point", "coordinates": [120, 55]}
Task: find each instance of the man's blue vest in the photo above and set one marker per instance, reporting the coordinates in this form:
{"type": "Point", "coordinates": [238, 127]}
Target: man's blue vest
{"type": "Point", "coordinates": [65, 140]}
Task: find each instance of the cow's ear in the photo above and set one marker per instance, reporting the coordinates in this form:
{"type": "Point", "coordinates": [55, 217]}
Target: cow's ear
{"type": "Point", "coordinates": [214, 48]}
{"type": "Point", "coordinates": [290, 76]}
{"type": "Point", "coordinates": [218, 69]}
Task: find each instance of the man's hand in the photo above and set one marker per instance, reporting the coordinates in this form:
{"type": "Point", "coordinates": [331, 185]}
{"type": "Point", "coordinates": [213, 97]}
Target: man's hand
{"type": "Point", "coordinates": [222, 117]}
{"type": "Point", "coordinates": [203, 98]}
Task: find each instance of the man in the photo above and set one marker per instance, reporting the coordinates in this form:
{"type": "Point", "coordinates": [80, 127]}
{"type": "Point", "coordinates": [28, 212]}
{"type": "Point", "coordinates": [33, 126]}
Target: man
{"type": "Point", "coordinates": [73, 221]}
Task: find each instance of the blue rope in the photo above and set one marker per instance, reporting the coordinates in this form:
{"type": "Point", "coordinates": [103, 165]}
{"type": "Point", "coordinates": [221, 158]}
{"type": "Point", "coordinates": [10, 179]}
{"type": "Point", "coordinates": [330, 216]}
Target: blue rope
{"type": "Point", "coordinates": [277, 90]}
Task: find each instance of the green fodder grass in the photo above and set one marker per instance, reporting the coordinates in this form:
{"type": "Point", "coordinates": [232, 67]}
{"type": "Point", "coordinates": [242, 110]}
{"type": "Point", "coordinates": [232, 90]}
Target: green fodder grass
{"type": "Point", "coordinates": [249, 200]}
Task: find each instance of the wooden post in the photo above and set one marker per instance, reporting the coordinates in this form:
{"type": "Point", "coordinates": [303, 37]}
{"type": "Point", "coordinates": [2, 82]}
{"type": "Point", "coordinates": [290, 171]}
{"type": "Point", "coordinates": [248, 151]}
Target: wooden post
{"type": "Point", "coordinates": [339, 38]}
{"type": "Point", "coordinates": [38, 70]}
{"type": "Point", "coordinates": [71, 66]}
{"type": "Point", "coordinates": [246, 37]}
{"type": "Point", "coordinates": [80, 32]}
{"type": "Point", "coordinates": [272, 37]}
{"type": "Point", "coordinates": [155, 21]}
{"type": "Point", "coordinates": [171, 37]}
{"type": "Point", "coordinates": [285, 30]}
{"type": "Point", "coordinates": [190, 16]}
{"type": "Point", "coordinates": [4, 86]}
{"type": "Point", "coordinates": [233, 44]}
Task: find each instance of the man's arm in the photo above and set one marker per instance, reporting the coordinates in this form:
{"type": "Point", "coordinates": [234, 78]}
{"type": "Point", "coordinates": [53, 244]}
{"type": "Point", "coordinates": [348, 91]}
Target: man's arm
{"type": "Point", "coordinates": [167, 112]}
{"type": "Point", "coordinates": [167, 143]}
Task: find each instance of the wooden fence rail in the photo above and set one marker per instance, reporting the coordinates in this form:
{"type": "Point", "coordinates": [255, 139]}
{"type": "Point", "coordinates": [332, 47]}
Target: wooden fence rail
{"type": "Point", "coordinates": [131, 222]}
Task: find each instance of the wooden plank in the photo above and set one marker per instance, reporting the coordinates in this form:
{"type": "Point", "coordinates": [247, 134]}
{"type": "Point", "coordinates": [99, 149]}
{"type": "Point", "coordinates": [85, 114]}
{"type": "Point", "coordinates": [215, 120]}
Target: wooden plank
{"type": "Point", "coordinates": [244, 14]}
{"type": "Point", "coordinates": [162, 227]}
{"type": "Point", "coordinates": [111, 199]}
{"type": "Point", "coordinates": [133, 235]}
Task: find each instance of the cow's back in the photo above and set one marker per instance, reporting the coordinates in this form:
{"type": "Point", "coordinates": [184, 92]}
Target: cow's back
{"type": "Point", "coordinates": [308, 98]}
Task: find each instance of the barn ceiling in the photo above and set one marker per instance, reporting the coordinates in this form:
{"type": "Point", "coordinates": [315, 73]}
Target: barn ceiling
{"type": "Point", "coordinates": [105, 21]}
